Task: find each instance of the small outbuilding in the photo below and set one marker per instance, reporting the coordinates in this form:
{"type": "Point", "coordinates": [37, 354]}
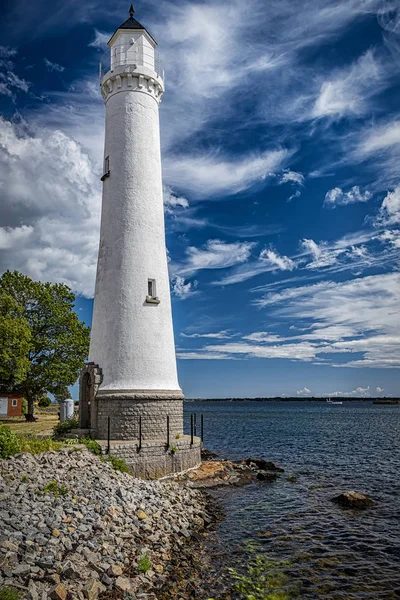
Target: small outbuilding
{"type": "Point", "coordinates": [10, 406]}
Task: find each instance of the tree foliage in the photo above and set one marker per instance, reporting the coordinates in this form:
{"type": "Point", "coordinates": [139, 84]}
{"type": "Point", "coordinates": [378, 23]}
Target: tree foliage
{"type": "Point", "coordinates": [15, 340]}
{"type": "Point", "coordinates": [56, 342]}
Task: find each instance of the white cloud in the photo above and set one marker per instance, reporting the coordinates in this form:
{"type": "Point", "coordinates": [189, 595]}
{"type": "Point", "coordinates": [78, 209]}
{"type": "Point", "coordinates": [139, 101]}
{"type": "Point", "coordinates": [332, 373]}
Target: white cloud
{"type": "Point", "coordinates": [208, 175]}
{"type": "Point", "coordinates": [263, 336]}
{"type": "Point", "coordinates": [379, 390]}
{"type": "Point", "coordinates": [215, 254]}
{"type": "Point", "coordinates": [389, 213]}
{"type": "Point", "coordinates": [218, 335]}
{"type": "Point", "coordinates": [273, 259]}
{"type": "Point", "coordinates": [53, 66]}
{"type": "Point", "coordinates": [349, 252]}
{"type": "Point", "coordinates": [391, 236]}
{"type": "Point", "coordinates": [303, 392]}
{"type": "Point", "coordinates": [292, 177]}
{"type": "Point", "coordinates": [378, 147]}
{"type": "Point", "coordinates": [268, 261]}
{"type": "Point", "coordinates": [10, 236]}
{"type": "Point", "coordinates": [380, 137]}
{"type": "Point", "coordinates": [348, 90]}
{"type": "Point", "coordinates": [183, 290]}
{"type": "Point", "coordinates": [50, 207]}
{"type": "Point", "coordinates": [171, 201]}
{"type": "Point", "coordinates": [337, 197]}
{"type": "Point", "coordinates": [368, 306]}
{"type": "Point", "coordinates": [100, 40]}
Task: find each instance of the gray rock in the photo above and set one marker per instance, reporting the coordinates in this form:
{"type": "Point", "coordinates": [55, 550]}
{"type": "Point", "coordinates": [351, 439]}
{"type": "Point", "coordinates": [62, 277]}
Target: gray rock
{"type": "Point", "coordinates": [353, 499]}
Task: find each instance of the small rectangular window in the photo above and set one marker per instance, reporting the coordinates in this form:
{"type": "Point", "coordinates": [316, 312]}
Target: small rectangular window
{"type": "Point", "coordinates": [106, 171]}
{"type": "Point", "coordinates": [151, 288]}
{"type": "Point", "coordinates": [151, 297]}
{"type": "Point", "coordinates": [14, 403]}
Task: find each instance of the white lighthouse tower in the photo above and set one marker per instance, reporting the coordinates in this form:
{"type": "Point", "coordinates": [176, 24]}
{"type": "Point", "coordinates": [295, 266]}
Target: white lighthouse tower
{"type": "Point", "coordinates": [131, 379]}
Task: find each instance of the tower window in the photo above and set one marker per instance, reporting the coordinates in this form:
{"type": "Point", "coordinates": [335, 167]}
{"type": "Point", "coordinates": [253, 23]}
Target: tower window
{"type": "Point", "coordinates": [151, 288]}
{"type": "Point", "coordinates": [151, 297]}
{"type": "Point", "coordinates": [14, 403]}
{"type": "Point", "coordinates": [106, 169]}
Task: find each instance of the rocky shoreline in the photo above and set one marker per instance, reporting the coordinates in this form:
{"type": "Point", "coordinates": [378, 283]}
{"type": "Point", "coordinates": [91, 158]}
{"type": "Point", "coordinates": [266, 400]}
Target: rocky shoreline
{"type": "Point", "coordinates": [72, 527]}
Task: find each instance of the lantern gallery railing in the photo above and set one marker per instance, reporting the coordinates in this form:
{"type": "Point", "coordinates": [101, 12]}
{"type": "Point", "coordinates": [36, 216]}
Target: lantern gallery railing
{"type": "Point", "coordinates": [120, 56]}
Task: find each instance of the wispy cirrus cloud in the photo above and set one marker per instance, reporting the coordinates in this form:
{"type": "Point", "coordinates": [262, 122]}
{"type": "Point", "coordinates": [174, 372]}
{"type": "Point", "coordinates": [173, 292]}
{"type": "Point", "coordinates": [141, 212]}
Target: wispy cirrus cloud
{"type": "Point", "coordinates": [214, 254]}
{"type": "Point", "coordinates": [357, 320]}
{"type": "Point", "coordinates": [348, 90]}
{"type": "Point", "coordinates": [53, 66]}
{"type": "Point", "coordinates": [207, 175]}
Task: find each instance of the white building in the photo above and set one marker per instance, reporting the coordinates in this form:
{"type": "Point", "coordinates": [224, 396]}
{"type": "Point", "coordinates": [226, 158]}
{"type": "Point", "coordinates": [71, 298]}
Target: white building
{"type": "Point", "coordinates": [131, 379]}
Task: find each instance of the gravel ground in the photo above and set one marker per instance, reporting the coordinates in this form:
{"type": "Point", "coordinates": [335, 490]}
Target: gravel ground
{"type": "Point", "coordinates": [72, 527]}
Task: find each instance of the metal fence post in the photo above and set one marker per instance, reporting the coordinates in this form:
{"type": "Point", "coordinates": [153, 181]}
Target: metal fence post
{"type": "Point", "coordinates": [167, 432]}
{"type": "Point", "coordinates": [108, 434]}
{"type": "Point", "coordinates": [195, 424]}
{"type": "Point", "coordinates": [202, 427]}
{"type": "Point", "coordinates": [140, 434]}
{"type": "Point", "coordinates": [191, 429]}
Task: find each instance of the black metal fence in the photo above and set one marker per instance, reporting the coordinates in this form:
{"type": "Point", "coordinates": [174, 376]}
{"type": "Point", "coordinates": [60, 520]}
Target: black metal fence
{"type": "Point", "coordinates": [193, 425]}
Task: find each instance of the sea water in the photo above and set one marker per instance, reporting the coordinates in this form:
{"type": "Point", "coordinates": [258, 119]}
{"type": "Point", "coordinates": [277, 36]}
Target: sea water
{"type": "Point", "coordinates": [329, 552]}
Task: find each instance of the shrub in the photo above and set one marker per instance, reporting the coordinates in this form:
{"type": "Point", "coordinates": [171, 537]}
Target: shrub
{"type": "Point", "coordinates": [144, 563]}
{"type": "Point", "coordinates": [91, 445]}
{"type": "Point", "coordinates": [262, 579]}
{"type": "Point", "coordinates": [9, 442]}
{"type": "Point", "coordinates": [65, 427]}
{"type": "Point", "coordinates": [44, 402]}
{"type": "Point", "coordinates": [9, 593]}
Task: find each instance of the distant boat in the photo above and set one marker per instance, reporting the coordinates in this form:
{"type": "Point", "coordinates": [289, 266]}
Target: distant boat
{"type": "Point", "coordinates": [329, 401]}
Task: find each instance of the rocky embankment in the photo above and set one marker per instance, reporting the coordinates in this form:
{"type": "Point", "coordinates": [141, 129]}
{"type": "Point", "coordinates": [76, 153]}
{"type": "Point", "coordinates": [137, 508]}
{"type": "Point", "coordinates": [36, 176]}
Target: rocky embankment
{"type": "Point", "coordinates": [72, 527]}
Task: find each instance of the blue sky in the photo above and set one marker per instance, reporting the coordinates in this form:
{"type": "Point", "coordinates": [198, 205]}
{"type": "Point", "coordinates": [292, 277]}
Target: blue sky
{"type": "Point", "coordinates": [281, 145]}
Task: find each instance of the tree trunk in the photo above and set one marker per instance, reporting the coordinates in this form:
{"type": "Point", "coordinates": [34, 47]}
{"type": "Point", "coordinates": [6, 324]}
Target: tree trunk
{"type": "Point", "coordinates": [31, 407]}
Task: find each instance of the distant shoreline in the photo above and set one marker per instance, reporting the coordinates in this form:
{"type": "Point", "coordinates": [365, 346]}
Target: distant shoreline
{"type": "Point", "coordinates": [384, 400]}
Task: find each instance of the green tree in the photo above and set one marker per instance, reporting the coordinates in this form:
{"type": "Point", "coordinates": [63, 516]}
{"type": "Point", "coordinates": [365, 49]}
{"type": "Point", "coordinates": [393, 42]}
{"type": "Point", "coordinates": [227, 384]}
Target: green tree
{"type": "Point", "coordinates": [58, 343]}
{"type": "Point", "coordinates": [44, 402]}
{"type": "Point", "coordinates": [62, 394]}
{"type": "Point", "coordinates": [15, 340]}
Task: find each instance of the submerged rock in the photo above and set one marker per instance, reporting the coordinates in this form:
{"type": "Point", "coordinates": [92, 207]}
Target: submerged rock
{"type": "Point", "coordinates": [353, 499]}
{"type": "Point", "coordinates": [265, 476]}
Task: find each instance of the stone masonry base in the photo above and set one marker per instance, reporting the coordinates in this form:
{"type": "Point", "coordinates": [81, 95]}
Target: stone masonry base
{"type": "Point", "coordinates": [154, 459]}
{"type": "Point", "coordinates": [128, 412]}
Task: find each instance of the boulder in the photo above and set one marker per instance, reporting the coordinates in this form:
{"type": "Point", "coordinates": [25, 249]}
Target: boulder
{"type": "Point", "coordinates": [264, 465]}
{"type": "Point", "coordinates": [353, 499]}
{"type": "Point", "coordinates": [58, 593]}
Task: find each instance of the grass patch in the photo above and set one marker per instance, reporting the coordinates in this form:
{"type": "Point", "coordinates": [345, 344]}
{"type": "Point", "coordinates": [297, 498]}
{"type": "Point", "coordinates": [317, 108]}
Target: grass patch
{"type": "Point", "coordinates": [43, 426]}
{"type": "Point", "coordinates": [91, 445]}
{"type": "Point", "coordinates": [144, 563]}
{"type": "Point", "coordinates": [58, 491]}
{"type": "Point", "coordinates": [118, 464]}
{"type": "Point", "coordinates": [9, 593]}
{"type": "Point", "coordinates": [12, 443]}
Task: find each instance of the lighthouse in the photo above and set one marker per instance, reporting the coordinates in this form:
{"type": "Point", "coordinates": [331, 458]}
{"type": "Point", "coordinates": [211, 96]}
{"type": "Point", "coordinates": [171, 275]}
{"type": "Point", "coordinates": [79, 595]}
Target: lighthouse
{"type": "Point", "coordinates": [129, 389]}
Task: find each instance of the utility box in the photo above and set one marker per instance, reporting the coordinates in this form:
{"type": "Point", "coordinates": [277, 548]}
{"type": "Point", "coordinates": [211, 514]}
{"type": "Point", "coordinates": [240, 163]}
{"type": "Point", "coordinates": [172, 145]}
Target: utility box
{"type": "Point", "coordinates": [66, 409]}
